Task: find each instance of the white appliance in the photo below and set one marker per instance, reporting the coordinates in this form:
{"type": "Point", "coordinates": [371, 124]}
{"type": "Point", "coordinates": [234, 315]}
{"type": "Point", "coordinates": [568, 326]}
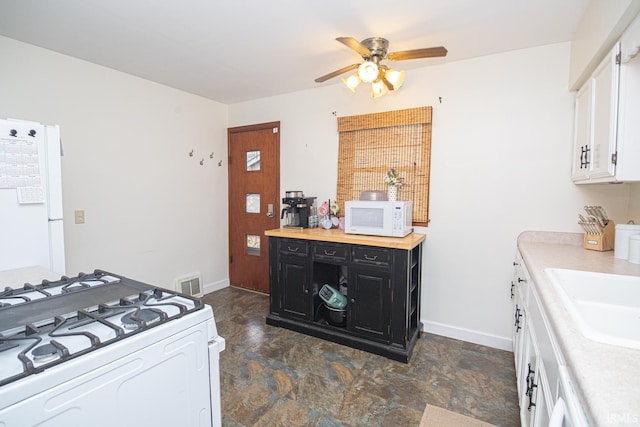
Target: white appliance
{"type": "Point", "coordinates": [102, 350]}
{"type": "Point", "coordinates": [378, 218]}
{"type": "Point", "coordinates": [30, 196]}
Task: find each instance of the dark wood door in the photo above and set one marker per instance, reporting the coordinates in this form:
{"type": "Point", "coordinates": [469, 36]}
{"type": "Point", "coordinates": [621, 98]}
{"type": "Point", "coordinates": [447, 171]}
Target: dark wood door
{"type": "Point", "coordinates": [254, 206]}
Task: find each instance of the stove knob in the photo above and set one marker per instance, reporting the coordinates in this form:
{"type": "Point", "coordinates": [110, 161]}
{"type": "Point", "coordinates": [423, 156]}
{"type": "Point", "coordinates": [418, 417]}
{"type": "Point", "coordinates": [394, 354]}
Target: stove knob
{"type": "Point", "coordinates": [32, 132]}
{"type": "Point", "coordinates": [13, 132]}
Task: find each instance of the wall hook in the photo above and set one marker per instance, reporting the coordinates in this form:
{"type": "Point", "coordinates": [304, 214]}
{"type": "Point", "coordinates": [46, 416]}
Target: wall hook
{"type": "Point", "coordinates": [202, 162]}
{"type": "Point", "coordinates": [211, 155]}
{"type": "Point", "coordinates": [191, 153]}
{"type": "Point", "coordinates": [220, 163]}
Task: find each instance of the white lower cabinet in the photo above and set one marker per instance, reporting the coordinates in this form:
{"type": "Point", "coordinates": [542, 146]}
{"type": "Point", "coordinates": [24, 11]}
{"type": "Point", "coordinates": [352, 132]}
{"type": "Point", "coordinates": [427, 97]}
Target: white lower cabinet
{"type": "Point", "coordinates": [538, 359]}
{"type": "Point", "coordinates": [532, 382]}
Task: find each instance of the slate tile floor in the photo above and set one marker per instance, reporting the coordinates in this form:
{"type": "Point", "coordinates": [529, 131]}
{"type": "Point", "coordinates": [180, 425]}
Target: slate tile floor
{"type": "Point", "coordinates": [271, 376]}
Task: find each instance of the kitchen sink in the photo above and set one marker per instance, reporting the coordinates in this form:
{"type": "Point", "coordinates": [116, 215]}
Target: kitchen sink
{"type": "Point", "coordinates": [605, 307]}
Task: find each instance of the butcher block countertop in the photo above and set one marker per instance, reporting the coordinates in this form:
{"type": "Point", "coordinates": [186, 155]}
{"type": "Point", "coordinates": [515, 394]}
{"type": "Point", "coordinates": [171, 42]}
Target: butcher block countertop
{"type": "Point", "coordinates": [339, 236]}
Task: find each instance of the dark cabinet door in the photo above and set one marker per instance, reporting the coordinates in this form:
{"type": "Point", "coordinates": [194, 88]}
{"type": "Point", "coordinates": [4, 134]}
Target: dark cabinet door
{"type": "Point", "coordinates": [294, 287]}
{"type": "Point", "coordinates": [369, 302]}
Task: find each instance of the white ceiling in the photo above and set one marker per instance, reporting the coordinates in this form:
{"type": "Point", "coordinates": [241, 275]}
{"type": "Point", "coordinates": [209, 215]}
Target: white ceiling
{"type": "Point", "coordinates": [238, 50]}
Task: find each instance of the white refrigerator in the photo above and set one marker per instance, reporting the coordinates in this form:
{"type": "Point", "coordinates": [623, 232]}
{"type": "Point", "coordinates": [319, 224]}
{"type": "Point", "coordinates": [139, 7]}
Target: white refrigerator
{"type": "Point", "coordinates": [31, 231]}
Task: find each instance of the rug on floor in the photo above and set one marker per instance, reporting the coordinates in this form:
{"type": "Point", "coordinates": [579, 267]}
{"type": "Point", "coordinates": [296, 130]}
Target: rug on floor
{"type": "Point", "coordinates": [434, 416]}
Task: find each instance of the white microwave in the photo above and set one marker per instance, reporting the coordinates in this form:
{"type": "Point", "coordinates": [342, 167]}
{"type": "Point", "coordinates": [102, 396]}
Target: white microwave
{"type": "Point", "coordinates": [378, 218]}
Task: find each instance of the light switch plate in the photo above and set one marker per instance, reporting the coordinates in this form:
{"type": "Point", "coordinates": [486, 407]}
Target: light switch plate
{"type": "Point", "coordinates": [79, 217]}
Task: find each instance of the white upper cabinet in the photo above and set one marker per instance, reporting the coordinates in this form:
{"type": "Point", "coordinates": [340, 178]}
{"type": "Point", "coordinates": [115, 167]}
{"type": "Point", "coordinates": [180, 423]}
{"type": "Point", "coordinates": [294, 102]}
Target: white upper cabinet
{"type": "Point", "coordinates": [596, 123]}
{"type": "Point", "coordinates": [628, 166]}
{"type": "Point", "coordinates": [582, 134]}
{"type": "Point", "coordinates": [606, 146]}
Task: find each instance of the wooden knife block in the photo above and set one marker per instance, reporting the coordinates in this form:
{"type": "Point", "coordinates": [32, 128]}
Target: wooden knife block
{"type": "Point", "coordinates": [601, 242]}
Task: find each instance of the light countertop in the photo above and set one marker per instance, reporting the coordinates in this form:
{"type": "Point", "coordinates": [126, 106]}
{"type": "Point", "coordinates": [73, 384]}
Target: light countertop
{"type": "Point", "coordinates": [607, 376]}
{"type": "Point", "coordinates": [338, 236]}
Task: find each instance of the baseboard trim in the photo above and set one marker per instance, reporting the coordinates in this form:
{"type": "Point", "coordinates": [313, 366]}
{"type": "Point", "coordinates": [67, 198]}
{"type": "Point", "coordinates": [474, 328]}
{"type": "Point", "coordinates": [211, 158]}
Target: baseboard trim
{"type": "Point", "coordinates": [476, 337]}
{"type": "Point", "coordinates": [215, 286]}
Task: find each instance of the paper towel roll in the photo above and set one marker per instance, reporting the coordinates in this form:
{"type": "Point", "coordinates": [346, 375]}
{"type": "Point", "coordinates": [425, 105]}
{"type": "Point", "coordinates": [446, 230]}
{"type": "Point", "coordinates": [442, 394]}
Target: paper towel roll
{"type": "Point", "coordinates": [634, 249]}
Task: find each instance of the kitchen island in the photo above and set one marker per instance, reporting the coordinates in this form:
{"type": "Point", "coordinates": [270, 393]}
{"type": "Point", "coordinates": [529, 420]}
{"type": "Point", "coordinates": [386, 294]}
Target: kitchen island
{"type": "Point", "coordinates": [380, 276]}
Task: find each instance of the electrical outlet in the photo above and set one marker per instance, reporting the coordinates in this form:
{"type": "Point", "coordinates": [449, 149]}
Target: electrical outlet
{"type": "Point", "coordinates": [79, 217]}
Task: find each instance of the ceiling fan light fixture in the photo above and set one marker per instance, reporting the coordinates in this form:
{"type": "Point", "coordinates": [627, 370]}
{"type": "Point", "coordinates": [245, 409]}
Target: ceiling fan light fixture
{"type": "Point", "coordinates": [378, 88]}
{"type": "Point", "coordinates": [368, 71]}
{"type": "Point", "coordinates": [352, 82]}
{"type": "Point", "coordinates": [396, 78]}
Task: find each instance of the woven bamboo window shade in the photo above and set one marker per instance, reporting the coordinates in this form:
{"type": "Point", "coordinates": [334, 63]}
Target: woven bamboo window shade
{"type": "Point", "coordinates": [371, 144]}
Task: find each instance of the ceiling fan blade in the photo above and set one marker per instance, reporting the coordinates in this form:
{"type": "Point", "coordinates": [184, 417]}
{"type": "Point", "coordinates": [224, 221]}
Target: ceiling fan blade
{"type": "Point", "coordinates": [336, 73]}
{"type": "Point", "coordinates": [429, 52]}
{"type": "Point", "coordinates": [387, 83]}
{"type": "Point", "coordinates": [354, 44]}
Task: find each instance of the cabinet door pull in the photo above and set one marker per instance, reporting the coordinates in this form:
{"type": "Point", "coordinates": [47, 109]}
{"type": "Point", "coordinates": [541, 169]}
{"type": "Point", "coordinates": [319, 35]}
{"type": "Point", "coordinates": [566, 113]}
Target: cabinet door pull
{"type": "Point", "coordinates": [530, 394]}
{"type": "Point", "coordinates": [290, 249]}
{"type": "Point", "coordinates": [330, 253]}
{"type": "Point", "coordinates": [370, 258]}
{"type": "Point", "coordinates": [353, 300]}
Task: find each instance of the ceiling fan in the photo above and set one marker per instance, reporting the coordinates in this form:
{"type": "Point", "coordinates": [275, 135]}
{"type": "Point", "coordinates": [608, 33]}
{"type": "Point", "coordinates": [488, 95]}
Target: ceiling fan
{"type": "Point", "coordinates": [382, 78]}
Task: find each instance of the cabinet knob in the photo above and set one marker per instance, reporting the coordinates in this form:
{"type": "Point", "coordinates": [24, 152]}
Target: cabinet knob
{"type": "Point", "coordinates": [353, 300]}
{"type": "Point", "coordinates": [306, 291]}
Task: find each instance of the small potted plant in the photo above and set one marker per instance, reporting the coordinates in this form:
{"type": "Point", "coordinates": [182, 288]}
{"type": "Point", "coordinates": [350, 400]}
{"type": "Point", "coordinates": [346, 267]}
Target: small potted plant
{"type": "Point", "coordinates": [394, 182]}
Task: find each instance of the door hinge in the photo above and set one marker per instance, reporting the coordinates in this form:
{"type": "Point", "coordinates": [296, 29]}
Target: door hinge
{"type": "Point", "coordinates": [614, 158]}
{"type": "Point", "coordinates": [275, 130]}
{"type": "Point", "coordinates": [618, 58]}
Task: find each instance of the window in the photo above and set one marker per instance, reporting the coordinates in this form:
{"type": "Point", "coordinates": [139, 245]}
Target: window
{"type": "Point", "coordinates": [371, 144]}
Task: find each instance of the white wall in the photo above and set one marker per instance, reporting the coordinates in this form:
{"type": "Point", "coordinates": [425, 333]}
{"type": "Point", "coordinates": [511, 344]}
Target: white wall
{"type": "Point", "coordinates": [152, 212]}
{"type": "Point", "coordinates": [500, 165]}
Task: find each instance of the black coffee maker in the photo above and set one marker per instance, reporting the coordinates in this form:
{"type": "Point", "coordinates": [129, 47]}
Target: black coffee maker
{"type": "Point", "coordinates": [297, 213]}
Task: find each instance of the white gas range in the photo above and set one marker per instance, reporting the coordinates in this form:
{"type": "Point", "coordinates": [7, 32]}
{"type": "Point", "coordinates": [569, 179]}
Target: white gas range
{"type": "Point", "coordinates": [100, 349]}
